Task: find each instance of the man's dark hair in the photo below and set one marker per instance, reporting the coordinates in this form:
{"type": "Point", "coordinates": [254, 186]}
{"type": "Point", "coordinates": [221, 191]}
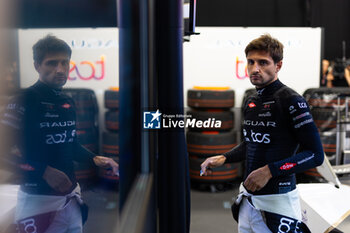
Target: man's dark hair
{"type": "Point", "coordinates": [49, 45]}
{"type": "Point", "coordinates": [268, 44]}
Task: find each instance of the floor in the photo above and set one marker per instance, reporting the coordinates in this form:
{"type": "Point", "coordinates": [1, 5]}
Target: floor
{"type": "Point", "coordinates": [210, 208]}
{"type": "Point", "coordinates": [102, 200]}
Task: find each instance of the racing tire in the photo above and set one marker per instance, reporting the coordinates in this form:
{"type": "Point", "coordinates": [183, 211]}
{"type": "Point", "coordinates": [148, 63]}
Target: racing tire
{"type": "Point", "coordinates": [210, 98]}
{"type": "Point", "coordinates": [111, 98]}
{"type": "Point", "coordinates": [86, 107]}
{"type": "Point", "coordinates": [206, 143]}
{"type": "Point", "coordinates": [110, 144]}
{"type": "Point", "coordinates": [89, 139]}
{"type": "Point", "coordinates": [112, 120]}
{"type": "Point", "coordinates": [222, 174]}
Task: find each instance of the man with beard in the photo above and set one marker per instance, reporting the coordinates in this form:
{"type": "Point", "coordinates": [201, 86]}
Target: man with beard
{"type": "Point", "coordinates": [279, 140]}
{"type": "Point", "coordinates": [43, 121]}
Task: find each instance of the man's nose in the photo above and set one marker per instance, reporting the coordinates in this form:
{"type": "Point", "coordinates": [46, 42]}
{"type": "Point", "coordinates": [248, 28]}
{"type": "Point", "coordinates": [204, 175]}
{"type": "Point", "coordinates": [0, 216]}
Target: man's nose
{"type": "Point", "coordinates": [60, 68]}
{"type": "Point", "coordinates": [256, 67]}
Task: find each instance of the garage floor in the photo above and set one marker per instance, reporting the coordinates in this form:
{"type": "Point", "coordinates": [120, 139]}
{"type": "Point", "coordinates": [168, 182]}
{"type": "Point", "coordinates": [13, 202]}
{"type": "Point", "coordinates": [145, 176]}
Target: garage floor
{"type": "Point", "coordinates": [211, 212]}
{"type": "Point", "coordinates": [103, 209]}
{"type": "Point", "coordinates": [210, 209]}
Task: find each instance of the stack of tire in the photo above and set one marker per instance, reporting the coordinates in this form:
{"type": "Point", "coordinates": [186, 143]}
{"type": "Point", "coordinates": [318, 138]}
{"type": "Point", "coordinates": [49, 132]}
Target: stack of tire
{"type": "Point", "coordinates": [110, 138]}
{"type": "Point", "coordinates": [323, 104]}
{"type": "Point", "coordinates": [87, 130]}
{"type": "Point", "coordinates": [211, 105]}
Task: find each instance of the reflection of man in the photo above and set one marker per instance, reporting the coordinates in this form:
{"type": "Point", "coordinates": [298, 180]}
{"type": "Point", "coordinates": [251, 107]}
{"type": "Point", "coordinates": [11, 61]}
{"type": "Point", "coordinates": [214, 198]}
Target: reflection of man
{"type": "Point", "coordinates": [43, 119]}
{"type": "Point", "coordinates": [277, 121]}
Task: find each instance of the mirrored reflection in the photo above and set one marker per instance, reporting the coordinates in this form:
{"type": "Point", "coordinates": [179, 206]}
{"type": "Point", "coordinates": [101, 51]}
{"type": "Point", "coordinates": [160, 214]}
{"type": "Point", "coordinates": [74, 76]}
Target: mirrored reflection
{"type": "Point", "coordinates": [59, 116]}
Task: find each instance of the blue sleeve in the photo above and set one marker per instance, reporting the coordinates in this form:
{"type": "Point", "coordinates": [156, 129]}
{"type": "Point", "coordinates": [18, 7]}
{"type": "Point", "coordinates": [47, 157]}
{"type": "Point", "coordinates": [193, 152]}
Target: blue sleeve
{"type": "Point", "coordinates": [237, 154]}
{"type": "Point", "coordinates": [13, 122]}
{"type": "Point", "coordinates": [301, 123]}
{"type": "Point", "coordinates": [82, 154]}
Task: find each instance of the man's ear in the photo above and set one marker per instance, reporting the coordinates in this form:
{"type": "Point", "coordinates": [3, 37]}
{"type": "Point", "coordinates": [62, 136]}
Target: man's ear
{"type": "Point", "coordinates": [37, 66]}
{"type": "Point", "coordinates": [279, 66]}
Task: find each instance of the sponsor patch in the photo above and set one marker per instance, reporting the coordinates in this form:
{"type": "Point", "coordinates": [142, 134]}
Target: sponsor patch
{"type": "Point", "coordinates": [66, 106]}
{"type": "Point", "coordinates": [284, 183]}
{"type": "Point", "coordinates": [267, 106]}
{"type": "Point", "coordinates": [57, 124]}
{"type": "Point", "coordinates": [269, 102]}
{"type": "Point", "coordinates": [302, 105]}
{"type": "Point", "coordinates": [251, 105]}
{"type": "Point", "coordinates": [301, 116]}
{"type": "Point", "coordinates": [306, 159]}
{"type": "Point", "coordinates": [56, 138]}
{"type": "Point", "coordinates": [266, 114]}
{"type": "Point", "coordinates": [50, 115]}
{"type": "Point", "coordinates": [303, 123]}
{"type": "Point", "coordinates": [260, 138]}
{"type": "Point", "coordinates": [260, 123]}
{"type": "Point", "coordinates": [292, 109]}
{"type": "Point", "coordinates": [26, 167]}
{"type": "Point", "coordinates": [287, 166]}
{"type": "Point", "coordinates": [48, 106]}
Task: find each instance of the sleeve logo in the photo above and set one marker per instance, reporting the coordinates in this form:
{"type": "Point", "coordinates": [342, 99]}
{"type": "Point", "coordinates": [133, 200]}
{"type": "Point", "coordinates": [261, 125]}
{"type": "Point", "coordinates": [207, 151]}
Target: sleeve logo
{"type": "Point", "coordinates": [302, 105]}
{"type": "Point", "coordinates": [287, 166]}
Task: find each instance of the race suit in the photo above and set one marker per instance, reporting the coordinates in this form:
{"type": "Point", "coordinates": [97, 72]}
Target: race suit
{"type": "Point", "coordinates": [278, 131]}
{"type": "Point", "coordinates": [44, 123]}
{"type": "Point", "coordinates": [277, 122]}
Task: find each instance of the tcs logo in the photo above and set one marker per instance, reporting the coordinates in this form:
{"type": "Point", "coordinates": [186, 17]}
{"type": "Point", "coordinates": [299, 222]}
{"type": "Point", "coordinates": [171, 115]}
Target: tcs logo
{"type": "Point", "coordinates": [241, 69]}
{"type": "Point", "coordinates": [87, 70]}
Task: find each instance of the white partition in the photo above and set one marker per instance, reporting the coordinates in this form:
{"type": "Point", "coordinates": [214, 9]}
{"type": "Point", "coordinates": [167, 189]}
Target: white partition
{"type": "Point", "coordinates": [94, 63]}
{"type": "Point", "coordinates": [216, 57]}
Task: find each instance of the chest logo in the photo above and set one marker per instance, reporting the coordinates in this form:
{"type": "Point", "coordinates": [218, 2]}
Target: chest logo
{"type": "Point", "coordinates": [251, 105]}
{"type": "Point", "coordinates": [260, 138]}
{"type": "Point", "coordinates": [266, 114]}
{"type": "Point", "coordinates": [260, 123]}
{"type": "Point", "coordinates": [66, 106]}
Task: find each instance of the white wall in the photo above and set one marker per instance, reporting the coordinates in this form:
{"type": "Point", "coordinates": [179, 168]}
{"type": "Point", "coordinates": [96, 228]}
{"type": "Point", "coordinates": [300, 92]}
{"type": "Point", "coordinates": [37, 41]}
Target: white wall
{"type": "Point", "coordinates": [211, 58]}
{"type": "Point", "coordinates": [92, 49]}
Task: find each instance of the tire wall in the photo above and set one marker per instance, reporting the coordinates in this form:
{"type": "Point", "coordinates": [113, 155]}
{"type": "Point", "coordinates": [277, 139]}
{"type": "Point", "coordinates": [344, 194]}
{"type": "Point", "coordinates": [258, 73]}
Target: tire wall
{"type": "Point", "coordinates": [87, 130]}
{"type": "Point", "coordinates": [206, 142]}
{"type": "Point", "coordinates": [110, 137]}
